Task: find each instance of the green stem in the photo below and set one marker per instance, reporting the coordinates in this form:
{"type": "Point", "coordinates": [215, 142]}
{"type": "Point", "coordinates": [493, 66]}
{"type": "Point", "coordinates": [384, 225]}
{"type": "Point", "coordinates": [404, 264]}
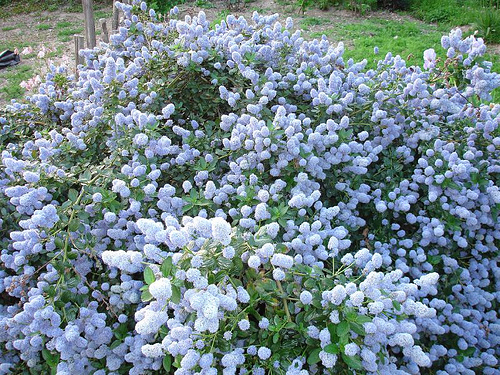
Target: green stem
{"type": "Point", "coordinates": [285, 300]}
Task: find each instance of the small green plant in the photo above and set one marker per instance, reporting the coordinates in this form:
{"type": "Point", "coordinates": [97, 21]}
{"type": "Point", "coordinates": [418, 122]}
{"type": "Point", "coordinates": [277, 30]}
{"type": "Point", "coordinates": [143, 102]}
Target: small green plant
{"type": "Point", "coordinates": [394, 4]}
{"type": "Point", "coordinates": [488, 25]}
{"type": "Point", "coordinates": [361, 6]}
{"type": "Point", "coordinates": [221, 16]}
{"type": "Point", "coordinates": [63, 24]}
{"type": "Point", "coordinates": [304, 4]}
{"type": "Point", "coordinates": [452, 12]}
{"type": "Point", "coordinates": [102, 14]}
{"type": "Point", "coordinates": [489, 3]}
{"type": "Point", "coordinates": [324, 4]}
{"type": "Point", "coordinates": [163, 6]}
{"type": "Point", "coordinates": [234, 4]}
{"type": "Point", "coordinates": [9, 28]}
{"type": "Point", "coordinates": [312, 21]}
{"type": "Point", "coordinates": [43, 26]}
{"type": "Point", "coordinates": [204, 4]}
{"type": "Point", "coordinates": [66, 34]}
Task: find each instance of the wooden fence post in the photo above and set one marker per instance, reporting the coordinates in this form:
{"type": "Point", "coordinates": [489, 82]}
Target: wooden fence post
{"type": "Point", "coordinates": [116, 18]}
{"type": "Point", "coordinates": [88, 12]}
{"type": "Point", "coordinates": [105, 32]}
{"type": "Point", "coordinates": [79, 45]}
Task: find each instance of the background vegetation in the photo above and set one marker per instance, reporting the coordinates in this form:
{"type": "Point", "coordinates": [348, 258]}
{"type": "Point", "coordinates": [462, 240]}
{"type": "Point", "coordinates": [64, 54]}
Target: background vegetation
{"type": "Point", "coordinates": [424, 21]}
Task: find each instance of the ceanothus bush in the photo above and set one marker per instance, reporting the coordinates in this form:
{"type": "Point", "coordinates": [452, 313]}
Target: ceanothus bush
{"type": "Point", "coordinates": [237, 200]}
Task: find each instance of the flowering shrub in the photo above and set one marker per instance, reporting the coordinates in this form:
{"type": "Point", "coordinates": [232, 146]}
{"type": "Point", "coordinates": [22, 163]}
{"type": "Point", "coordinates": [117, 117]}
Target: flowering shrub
{"type": "Point", "coordinates": [240, 200]}
{"type": "Point", "coordinates": [42, 66]}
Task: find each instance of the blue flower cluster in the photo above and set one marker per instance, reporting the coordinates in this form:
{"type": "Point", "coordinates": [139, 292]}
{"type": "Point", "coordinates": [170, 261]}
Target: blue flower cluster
{"type": "Point", "coordinates": [236, 199]}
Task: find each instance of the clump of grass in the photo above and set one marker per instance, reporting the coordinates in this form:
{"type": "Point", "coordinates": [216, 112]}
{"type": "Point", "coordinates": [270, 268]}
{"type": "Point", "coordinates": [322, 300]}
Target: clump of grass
{"type": "Point", "coordinates": [9, 28]}
{"type": "Point", "coordinates": [204, 4]}
{"type": "Point", "coordinates": [64, 24]}
{"type": "Point", "coordinates": [221, 16]}
{"type": "Point", "coordinates": [13, 76]}
{"type": "Point", "coordinates": [312, 21]}
{"type": "Point", "coordinates": [488, 25]}
{"type": "Point", "coordinates": [65, 35]}
{"type": "Point", "coordinates": [102, 14]}
{"type": "Point", "coordinates": [456, 12]}
{"type": "Point", "coordinates": [43, 26]}
{"type": "Point", "coordinates": [12, 44]}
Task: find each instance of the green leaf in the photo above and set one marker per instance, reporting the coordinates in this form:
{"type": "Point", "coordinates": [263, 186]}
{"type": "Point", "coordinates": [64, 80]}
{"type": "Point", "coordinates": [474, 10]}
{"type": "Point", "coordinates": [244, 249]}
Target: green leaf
{"type": "Point", "coordinates": [121, 332]}
{"type": "Point", "coordinates": [86, 176]}
{"type": "Point", "coordinates": [149, 276]}
{"type": "Point", "coordinates": [300, 317]}
{"type": "Point", "coordinates": [434, 259]}
{"type": "Point", "coordinates": [358, 328]}
{"type": "Point", "coordinates": [310, 284]}
{"type": "Point", "coordinates": [166, 267]}
{"type": "Point", "coordinates": [73, 225]}
{"type": "Point", "coordinates": [469, 351]}
{"type": "Point", "coordinates": [146, 296]}
{"type": "Point", "coordinates": [495, 211]}
{"type": "Point", "coordinates": [343, 328]}
{"type": "Point", "coordinates": [66, 296]}
{"type": "Point", "coordinates": [331, 348]}
{"type": "Point", "coordinates": [73, 282]}
{"type": "Point", "coordinates": [314, 357]}
{"type": "Point", "coordinates": [277, 320]}
{"type": "Point", "coordinates": [72, 255]}
{"type": "Point", "coordinates": [115, 344]}
{"type": "Point", "coordinates": [187, 207]}
{"type": "Point", "coordinates": [269, 285]}
{"type": "Point", "coordinates": [176, 294]}
{"type": "Point", "coordinates": [332, 330]}
{"type": "Point", "coordinates": [363, 319]}
{"type": "Point", "coordinates": [72, 195]}
{"type": "Point", "coordinates": [59, 243]}
{"type": "Point", "coordinates": [350, 314]}
{"type": "Point", "coordinates": [167, 363]}
{"type": "Point", "coordinates": [353, 362]}
{"type": "Point", "coordinates": [282, 222]}
{"type": "Point", "coordinates": [276, 338]}
{"type": "Point", "coordinates": [396, 305]}
{"type": "Point", "coordinates": [51, 291]}
{"type": "Point", "coordinates": [52, 359]}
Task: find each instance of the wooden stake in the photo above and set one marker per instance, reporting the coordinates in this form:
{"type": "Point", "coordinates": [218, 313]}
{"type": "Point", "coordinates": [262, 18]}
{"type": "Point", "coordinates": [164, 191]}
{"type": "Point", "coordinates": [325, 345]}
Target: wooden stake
{"type": "Point", "coordinates": [105, 32]}
{"type": "Point", "coordinates": [116, 18]}
{"type": "Point", "coordinates": [88, 12]}
{"type": "Point", "coordinates": [79, 45]}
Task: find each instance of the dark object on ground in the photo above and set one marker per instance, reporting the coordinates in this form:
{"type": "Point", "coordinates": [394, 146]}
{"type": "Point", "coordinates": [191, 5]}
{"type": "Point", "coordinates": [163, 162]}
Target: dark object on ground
{"type": "Point", "coordinates": [9, 58]}
{"type": "Point", "coordinates": [394, 4]}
